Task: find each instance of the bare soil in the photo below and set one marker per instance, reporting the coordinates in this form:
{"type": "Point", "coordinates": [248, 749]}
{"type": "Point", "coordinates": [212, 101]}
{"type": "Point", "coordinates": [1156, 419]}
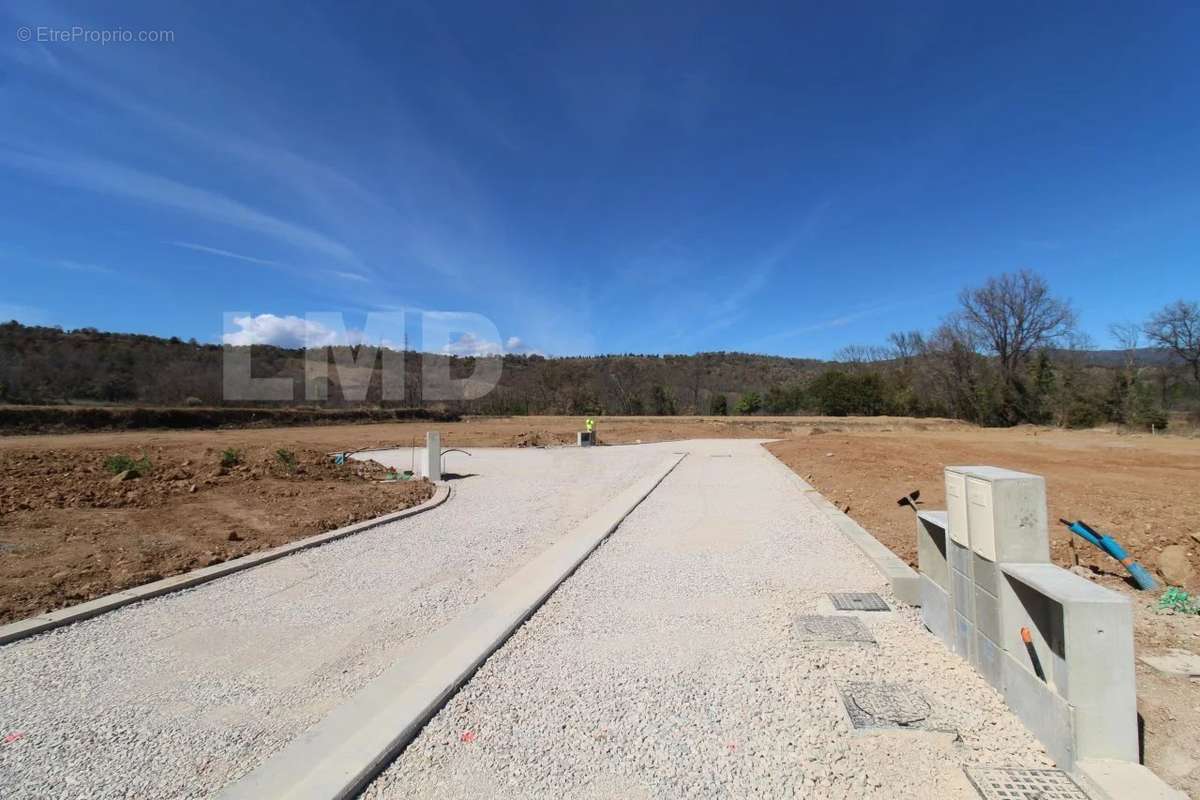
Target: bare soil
{"type": "Point", "coordinates": [67, 533]}
{"type": "Point", "coordinates": [71, 531]}
{"type": "Point", "coordinates": [1138, 488]}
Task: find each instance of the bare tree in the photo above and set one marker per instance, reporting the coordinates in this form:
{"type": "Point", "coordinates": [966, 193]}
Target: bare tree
{"type": "Point", "coordinates": [1176, 329]}
{"type": "Point", "coordinates": [950, 353]}
{"type": "Point", "coordinates": [1129, 336]}
{"type": "Point", "coordinates": [1013, 315]}
{"type": "Point", "coordinates": [906, 345]}
{"type": "Point", "coordinates": [858, 357]}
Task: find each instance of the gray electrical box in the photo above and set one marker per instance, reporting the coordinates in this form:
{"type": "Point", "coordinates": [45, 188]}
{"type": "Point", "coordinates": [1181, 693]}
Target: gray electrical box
{"type": "Point", "coordinates": [994, 515]}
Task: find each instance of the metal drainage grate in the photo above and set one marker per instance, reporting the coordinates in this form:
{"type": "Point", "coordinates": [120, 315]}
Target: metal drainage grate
{"type": "Point", "coordinates": [1024, 784]}
{"type": "Point", "coordinates": [884, 705]}
{"type": "Point", "coordinates": [831, 629]}
{"type": "Point", "coordinates": [858, 601]}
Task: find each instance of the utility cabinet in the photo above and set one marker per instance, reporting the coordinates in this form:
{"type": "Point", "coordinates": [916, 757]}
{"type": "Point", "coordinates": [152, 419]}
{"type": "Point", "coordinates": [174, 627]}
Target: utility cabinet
{"type": "Point", "coordinates": [995, 515]}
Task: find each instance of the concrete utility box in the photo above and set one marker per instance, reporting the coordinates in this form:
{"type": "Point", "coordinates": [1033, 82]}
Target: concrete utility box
{"type": "Point", "coordinates": [994, 515]}
{"type": "Point", "coordinates": [584, 438]}
{"type": "Point", "coordinates": [431, 462]}
{"type": "Point", "coordinates": [956, 506]}
{"type": "Point", "coordinates": [1083, 635]}
{"type": "Point", "coordinates": [986, 560]}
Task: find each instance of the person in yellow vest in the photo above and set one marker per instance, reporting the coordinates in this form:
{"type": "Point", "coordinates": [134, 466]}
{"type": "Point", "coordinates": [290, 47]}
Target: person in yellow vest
{"type": "Point", "coordinates": [590, 424]}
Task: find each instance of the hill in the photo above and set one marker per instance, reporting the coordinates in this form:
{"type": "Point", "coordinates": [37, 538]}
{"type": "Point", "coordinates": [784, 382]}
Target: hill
{"type": "Point", "coordinates": [44, 365]}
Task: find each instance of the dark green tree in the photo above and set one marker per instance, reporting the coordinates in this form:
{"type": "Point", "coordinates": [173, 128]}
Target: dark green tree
{"type": "Point", "coordinates": [749, 403]}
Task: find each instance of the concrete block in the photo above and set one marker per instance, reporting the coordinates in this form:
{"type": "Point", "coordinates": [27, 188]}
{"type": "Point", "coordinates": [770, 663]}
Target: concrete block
{"type": "Point", "coordinates": [1105, 779]}
{"type": "Point", "coordinates": [431, 460]}
{"type": "Point", "coordinates": [1047, 715]}
{"type": "Point", "coordinates": [1083, 634]}
{"type": "Point", "coordinates": [987, 614]}
{"type": "Point", "coordinates": [960, 557]}
{"type": "Point", "coordinates": [986, 574]}
{"type": "Point", "coordinates": [932, 559]}
{"type": "Point", "coordinates": [935, 610]}
{"type": "Point", "coordinates": [989, 660]}
{"type": "Point", "coordinates": [964, 635]}
{"type": "Point", "coordinates": [1174, 662]}
{"type": "Point", "coordinates": [963, 594]}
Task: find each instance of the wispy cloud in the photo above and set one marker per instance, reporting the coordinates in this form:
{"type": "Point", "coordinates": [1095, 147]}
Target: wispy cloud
{"type": "Point", "coordinates": [115, 180]}
{"type": "Point", "coordinates": [828, 323]}
{"type": "Point", "coordinates": [79, 266]}
{"type": "Point", "coordinates": [732, 304]}
{"type": "Point", "coordinates": [216, 251]}
{"type": "Point", "coordinates": [349, 276]}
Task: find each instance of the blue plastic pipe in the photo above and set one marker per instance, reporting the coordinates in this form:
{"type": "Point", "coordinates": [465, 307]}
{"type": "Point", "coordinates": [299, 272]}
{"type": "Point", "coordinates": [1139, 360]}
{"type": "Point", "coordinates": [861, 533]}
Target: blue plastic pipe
{"type": "Point", "coordinates": [1141, 575]}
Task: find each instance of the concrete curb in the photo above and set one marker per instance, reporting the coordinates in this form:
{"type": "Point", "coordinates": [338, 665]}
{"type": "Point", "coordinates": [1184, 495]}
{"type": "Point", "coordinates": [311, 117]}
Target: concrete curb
{"type": "Point", "coordinates": [102, 605]}
{"type": "Point", "coordinates": [341, 754]}
{"type": "Point", "coordinates": [1121, 780]}
{"type": "Point", "coordinates": [904, 580]}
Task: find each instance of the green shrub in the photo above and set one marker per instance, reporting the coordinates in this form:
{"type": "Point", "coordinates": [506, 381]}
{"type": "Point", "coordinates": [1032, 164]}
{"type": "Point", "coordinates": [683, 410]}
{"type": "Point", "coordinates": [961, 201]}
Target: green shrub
{"type": "Point", "coordinates": [287, 458]}
{"type": "Point", "coordinates": [116, 464]}
{"type": "Point", "coordinates": [749, 403]}
{"type": "Point", "coordinates": [1083, 413]}
{"type": "Point", "coordinates": [231, 457]}
{"type": "Point", "coordinates": [718, 405]}
{"type": "Point", "coordinates": [1150, 418]}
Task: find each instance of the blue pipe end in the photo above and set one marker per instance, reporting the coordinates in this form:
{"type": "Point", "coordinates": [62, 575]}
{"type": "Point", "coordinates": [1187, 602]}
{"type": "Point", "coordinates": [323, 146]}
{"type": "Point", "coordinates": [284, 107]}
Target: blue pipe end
{"type": "Point", "coordinates": [1142, 576]}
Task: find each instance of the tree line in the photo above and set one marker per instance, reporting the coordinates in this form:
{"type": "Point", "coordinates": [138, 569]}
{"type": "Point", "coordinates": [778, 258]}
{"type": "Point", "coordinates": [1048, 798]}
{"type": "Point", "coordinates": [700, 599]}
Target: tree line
{"type": "Point", "coordinates": [1010, 352]}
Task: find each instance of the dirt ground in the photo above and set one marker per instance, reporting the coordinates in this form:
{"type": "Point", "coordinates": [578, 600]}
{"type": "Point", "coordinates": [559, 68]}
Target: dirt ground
{"type": "Point", "coordinates": [68, 534]}
{"type": "Point", "coordinates": [70, 530]}
{"type": "Point", "coordinates": [1140, 489]}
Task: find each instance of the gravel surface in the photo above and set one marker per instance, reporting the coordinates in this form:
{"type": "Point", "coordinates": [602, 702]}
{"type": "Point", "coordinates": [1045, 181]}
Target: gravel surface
{"type": "Point", "coordinates": [177, 696]}
{"type": "Point", "coordinates": [667, 666]}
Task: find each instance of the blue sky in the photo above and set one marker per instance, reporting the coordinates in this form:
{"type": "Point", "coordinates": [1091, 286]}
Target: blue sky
{"type": "Point", "coordinates": [673, 177]}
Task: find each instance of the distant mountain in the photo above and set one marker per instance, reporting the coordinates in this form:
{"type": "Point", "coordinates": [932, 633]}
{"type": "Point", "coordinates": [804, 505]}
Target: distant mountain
{"type": "Point", "coordinates": [1143, 356]}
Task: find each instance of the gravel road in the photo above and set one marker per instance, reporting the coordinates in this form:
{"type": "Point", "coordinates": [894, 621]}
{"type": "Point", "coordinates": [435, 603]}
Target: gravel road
{"type": "Point", "coordinates": [668, 666]}
{"type": "Point", "coordinates": [177, 696]}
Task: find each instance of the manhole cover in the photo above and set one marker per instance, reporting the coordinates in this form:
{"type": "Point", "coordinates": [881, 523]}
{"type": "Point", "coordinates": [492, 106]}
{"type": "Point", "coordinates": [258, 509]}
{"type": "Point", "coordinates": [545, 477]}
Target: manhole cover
{"type": "Point", "coordinates": [1024, 784]}
{"type": "Point", "coordinates": [858, 601]}
{"type": "Point", "coordinates": [884, 705]}
{"type": "Point", "coordinates": [831, 629]}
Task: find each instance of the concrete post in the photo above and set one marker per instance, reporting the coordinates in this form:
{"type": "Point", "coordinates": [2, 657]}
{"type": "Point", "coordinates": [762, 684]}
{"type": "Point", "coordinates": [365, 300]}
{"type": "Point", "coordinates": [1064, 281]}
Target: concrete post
{"type": "Point", "coordinates": [934, 564]}
{"type": "Point", "coordinates": [431, 466]}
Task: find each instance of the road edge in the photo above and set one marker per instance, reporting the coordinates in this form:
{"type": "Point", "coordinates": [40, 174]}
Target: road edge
{"type": "Point", "coordinates": [341, 754]}
{"type": "Point", "coordinates": [904, 580]}
{"type": "Point", "coordinates": [31, 626]}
